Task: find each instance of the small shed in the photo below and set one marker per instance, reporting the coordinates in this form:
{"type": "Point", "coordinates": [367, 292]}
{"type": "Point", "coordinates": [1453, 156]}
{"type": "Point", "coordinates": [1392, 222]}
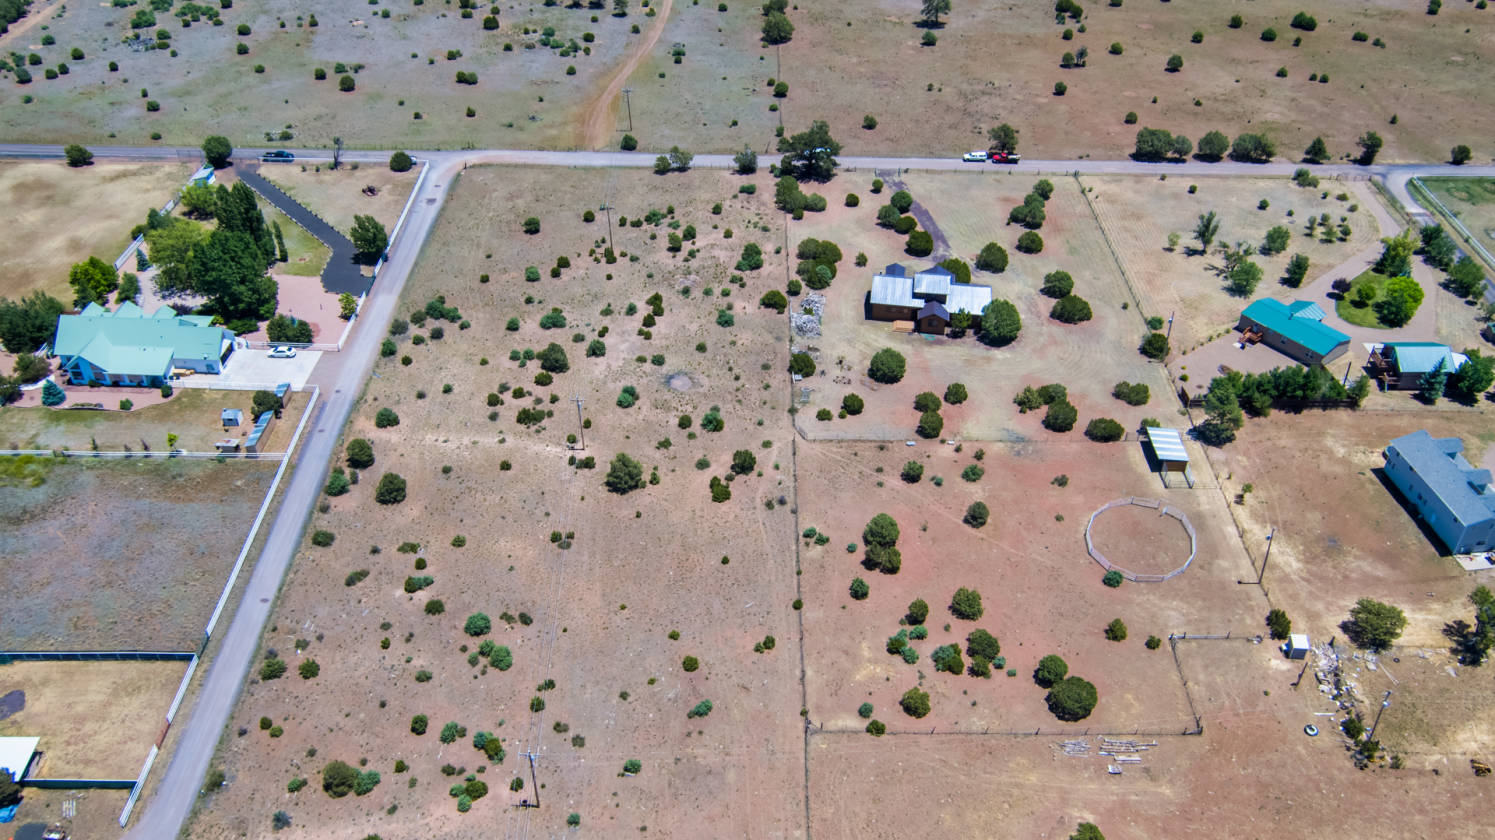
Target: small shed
{"type": "Point", "coordinates": [1296, 646]}
{"type": "Point", "coordinates": [259, 435]}
{"type": "Point", "coordinates": [232, 417]}
{"type": "Point", "coordinates": [227, 445]}
{"type": "Point", "coordinates": [1168, 447]}
{"type": "Point", "coordinates": [16, 755]}
{"type": "Point", "coordinates": [283, 391]}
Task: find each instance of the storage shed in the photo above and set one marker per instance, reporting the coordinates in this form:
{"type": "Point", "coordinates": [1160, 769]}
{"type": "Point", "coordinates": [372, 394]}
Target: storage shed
{"type": "Point", "coordinates": [1296, 646]}
{"type": "Point", "coordinates": [232, 417]}
{"type": "Point", "coordinates": [1168, 447]}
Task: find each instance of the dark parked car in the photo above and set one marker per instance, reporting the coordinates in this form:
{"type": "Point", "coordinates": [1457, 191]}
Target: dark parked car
{"type": "Point", "coordinates": [277, 156]}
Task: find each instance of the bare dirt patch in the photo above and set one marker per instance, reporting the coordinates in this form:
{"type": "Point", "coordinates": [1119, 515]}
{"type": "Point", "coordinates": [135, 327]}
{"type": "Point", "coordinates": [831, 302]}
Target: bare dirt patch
{"type": "Point", "coordinates": [64, 216]}
{"type": "Point", "coordinates": [337, 194]}
{"type": "Point", "coordinates": [1140, 539]}
{"type": "Point", "coordinates": [96, 720]}
{"type": "Point", "coordinates": [149, 545]}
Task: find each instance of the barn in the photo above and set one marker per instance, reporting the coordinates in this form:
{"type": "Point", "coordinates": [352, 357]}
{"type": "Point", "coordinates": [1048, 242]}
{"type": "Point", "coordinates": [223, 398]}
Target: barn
{"type": "Point", "coordinates": [928, 298]}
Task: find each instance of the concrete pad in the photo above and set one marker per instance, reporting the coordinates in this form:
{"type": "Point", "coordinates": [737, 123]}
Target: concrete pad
{"type": "Point", "coordinates": [248, 367]}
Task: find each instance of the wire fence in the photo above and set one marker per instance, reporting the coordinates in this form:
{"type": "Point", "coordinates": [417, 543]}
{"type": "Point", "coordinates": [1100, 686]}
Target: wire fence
{"type": "Point", "coordinates": [145, 454]}
{"type": "Point", "coordinates": [1426, 194]}
{"type": "Point", "coordinates": [1163, 510]}
{"type": "Point", "coordinates": [96, 655]}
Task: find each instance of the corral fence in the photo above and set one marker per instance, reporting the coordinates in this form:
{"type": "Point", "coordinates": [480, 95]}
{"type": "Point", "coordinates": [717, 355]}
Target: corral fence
{"type": "Point", "coordinates": [1423, 193]}
{"type": "Point", "coordinates": [96, 656]}
{"type": "Point", "coordinates": [1163, 510]}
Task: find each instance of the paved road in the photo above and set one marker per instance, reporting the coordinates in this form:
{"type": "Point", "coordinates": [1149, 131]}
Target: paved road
{"type": "Point", "coordinates": [340, 375]}
{"type": "Point", "coordinates": [342, 272]}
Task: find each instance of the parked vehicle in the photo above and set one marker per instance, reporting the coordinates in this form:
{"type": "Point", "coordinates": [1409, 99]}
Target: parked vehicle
{"type": "Point", "coordinates": [277, 156]}
{"type": "Point", "coordinates": [1005, 157]}
{"type": "Point", "coordinates": [974, 157]}
{"type": "Point", "coordinates": [283, 352]}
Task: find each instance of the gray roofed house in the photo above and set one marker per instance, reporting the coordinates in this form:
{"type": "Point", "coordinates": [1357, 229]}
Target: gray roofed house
{"type": "Point", "coordinates": [1453, 497]}
{"type": "Point", "coordinates": [928, 298]}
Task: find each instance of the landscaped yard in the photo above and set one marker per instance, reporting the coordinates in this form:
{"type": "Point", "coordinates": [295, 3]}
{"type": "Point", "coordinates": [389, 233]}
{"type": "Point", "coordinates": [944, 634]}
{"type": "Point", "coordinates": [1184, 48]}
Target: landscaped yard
{"type": "Point", "coordinates": [305, 256]}
{"type": "Point", "coordinates": [1358, 304]}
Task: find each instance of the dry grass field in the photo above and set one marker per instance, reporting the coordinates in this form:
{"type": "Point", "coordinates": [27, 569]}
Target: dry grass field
{"type": "Point", "coordinates": [64, 216]}
{"type": "Point", "coordinates": [96, 720]}
{"type": "Point", "coordinates": [1470, 199]}
{"type": "Point", "coordinates": [149, 545]}
{"type": "Point", "coordinates": [928, 100]}
{"type": "Point", "coordinates": [337, 194]}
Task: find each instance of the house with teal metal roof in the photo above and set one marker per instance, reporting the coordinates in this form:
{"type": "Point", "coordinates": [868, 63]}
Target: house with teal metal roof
{"type": "Point", "coordinates": [129, 347]}
{"type": "Point", "coordinates": [1401, 365]}
{"type": "Point", "coordinates": [1294, 329]}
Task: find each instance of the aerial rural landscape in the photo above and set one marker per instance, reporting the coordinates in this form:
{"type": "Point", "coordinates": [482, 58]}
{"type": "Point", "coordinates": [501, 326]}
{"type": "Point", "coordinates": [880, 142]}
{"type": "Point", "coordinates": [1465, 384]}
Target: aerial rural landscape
{"type": "Point", "coordinates": [568, 418]}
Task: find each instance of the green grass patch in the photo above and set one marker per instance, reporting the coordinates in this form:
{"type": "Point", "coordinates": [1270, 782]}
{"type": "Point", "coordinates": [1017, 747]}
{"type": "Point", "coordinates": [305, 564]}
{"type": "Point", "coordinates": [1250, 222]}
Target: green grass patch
{"type": "Point", "coordinates": [24, 470]}
{"type": "Point", "coordinates": [1349, 308]}
{"type": "Point", "coordinates": [307, 255]}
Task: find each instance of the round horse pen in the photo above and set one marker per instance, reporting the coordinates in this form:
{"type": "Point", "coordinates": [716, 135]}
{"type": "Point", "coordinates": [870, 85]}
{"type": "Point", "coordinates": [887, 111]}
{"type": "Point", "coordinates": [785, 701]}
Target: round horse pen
{"type": "Point", "coordinates": [1151, 504]}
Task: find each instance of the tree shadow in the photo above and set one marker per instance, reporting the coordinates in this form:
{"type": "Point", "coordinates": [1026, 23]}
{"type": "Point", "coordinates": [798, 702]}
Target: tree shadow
{"type": "Point", "coordinates": [1464, 640]}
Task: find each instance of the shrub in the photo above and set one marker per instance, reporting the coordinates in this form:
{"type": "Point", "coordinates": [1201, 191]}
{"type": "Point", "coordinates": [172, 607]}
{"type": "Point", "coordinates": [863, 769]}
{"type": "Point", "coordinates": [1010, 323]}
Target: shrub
{"type": "Point", "coordinates": [775, 300]}
{"type": "Point", "coordinates": [966, 604]}
{"type": "Point", "coordinates": [399, 161]}
{"type": "Point", "coordinates": [1279, 624]}
{"type": "Point", "coordinates": [308, 669]}
{"type": "Point", "coordinates": [322, 539]}
{"type": "Point", "coordinates": [1112, 578]}
{"type": "Point", "coordinates": [1373, 624]}
{"type": "Point", "coordinates": [1057, 284]}
{"type": "Point", "coordinates": [273, 669]}
{"type": "Point", "coordinates": [912, 472]}
{"type": "Point", "coordinates": [1154, 346]}
{"type": "Point", "coordinates": [1104, 430]}
{"type": "Point", "coordinates": [976, 515]}
{"type": "Point", "coordinates": [887, 366]}
{"type": "Point", "coordinates": [915, 703]}
{"type": "Point", "coordinates": [339, 779]}
{"type": "Point", "coordinates": [1070, 309]}
{"type": "Point", "coordinates": [930, 425]}
{"type": "Point", "coordinates": [1061, 416]}
{"type": "Point", "coordinates": [993, 258]}
{"type": "Point", "coordinates": [927, 401]}
{"type": "Point", "coordinates": [478, 624]}
{"type": "Point", "coordinates": [1116, 630]}
{"type": "Point", "coordinates": [1071, 699]}
{"type": "Point", "coordinates": [391, 489]}
{"type": "Point", "coordinates": [435, 606]}
{"type": "Point", "coordinates": [1131, 394]}
{"type": "Point", "coordinates": [1051, 669]}
{"type": "Point", "coordinates": [852, 404]}
{"type": "Point", "coordinates": [1153, 643]}
{"type": "Point", "coordinates": [386, 418]}
{"type": "Point", "coordinates": [700, 710]}
{"type": "Point", "coordinates": [1000, 323]}
{"type": "Point", "coordinates": [972, 472]}
{"type": "Point", "coordinates": [859, 589]}
{"type": "Point", "coordinates": [947, 658]}
{"type": "Point", "coordinates": [983, 645]}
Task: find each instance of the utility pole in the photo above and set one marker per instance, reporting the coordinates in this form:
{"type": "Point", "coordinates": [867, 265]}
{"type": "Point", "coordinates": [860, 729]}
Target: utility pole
{"type": "Point", "coordinates": [1170, 324]}
{"type": "Point", "coordinates": [532, 781]}
{"type": "Point", "coordinates": [1268, 556]}
{"type": "Point", "coordinates": [608, 209]}
{"type": "Point", "coordinates": [580, 425]}
{"type": "Point", "coordinates": [1385, 701]}
{"type": "Point", "coordinates": [628, 103]}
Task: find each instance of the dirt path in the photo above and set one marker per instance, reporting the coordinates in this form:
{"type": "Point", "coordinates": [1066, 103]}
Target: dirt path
{"type": "Point", "coordinates": [926, 221]}
{"type": "Point", "coordinates": [595, 130]}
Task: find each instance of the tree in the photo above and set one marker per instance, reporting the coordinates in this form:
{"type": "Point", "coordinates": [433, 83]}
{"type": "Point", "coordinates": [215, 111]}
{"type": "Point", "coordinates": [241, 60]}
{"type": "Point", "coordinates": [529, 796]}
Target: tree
{"type": "Point", "coordinates": [360, 454]}
{"type": "Point", "coordinates": [859, 589]}
{"type": "Point", "coordinates": [743, 461]}
{"type": "Point", "coordinates": [887, 366]}
{"type": "Point", "coordinates": [553, 359]}
{"type": "Point", "coordinates": [624, 475]}
{"type": "Point", "coordinates": [1003, 138]}
{"type": "Point", "coordinates": [628, 143]}
{"type": "Point", "coordinates": [391, 489]}
{"type": "Point", "coordinates": [801, 364]}
{"type": "Point", "coordinates": [52, 395]}
{"type": "Point", "coordinates": [1458, 156]}
{"type": "Point", "coordinates": [1370, 146]}
{"type": "Point", "coordinates": [915, 703]}
{"type": "Point", "coordinates": [1051, 669]}
{"type": "Point", "coordinates": [400, 162]}
{"type": "Point", "coordinates": [912, 472]}
{"type": "Point", "coordinates": [78, 156]}
{"type": "Point", "coordinates": [920, 244]}
{"type": "Point", "coordinates": [932, 11]}
{"type": "Point", "coordinates": [1279, 624]}
{"type": "Point", "coordinates": [1373, 624]}
{"type": "Point", "coordinates": [947, 658]}
{"type": "Point", "coordinates": [745, 161]}
{"type": "Point", "coordinates": [10, 790]}
{"type": "Point", "coordinates": [1153, 144]}
{"type": "Point", "coordinates": [966, 604]}
{"type": "Point", "coordinates": [927, 401]}
{"type": "Point", "coordinates": [1104, 430]}
{"type": "Point", "coordinates": [27, 324]}
{"type": "Point", "coordinates": [1403, 296]}
{"type": "Point", "coordinates": [1316, 152]}
{"type": "Point", "coordinates": [775, 300]}
{"type": "Point", "coordinates": [930, 425]}
{"type": "Point", "coordinates": [1175, 63]}
{"type": "Point", "coordinates": [881, 531]}
{"type": "Point", "coordinates": [386, 418]}
{"type": "Point", "coordinates": [1465, 277]}
{"type": "Point", "coordinates": [1207, 229]}
{"type": "Point", "coordinates": [531, 225]}
{"type": "Point", "coordinates": [1430, 387]}
{"type": "Point", "coordinates": [1116, 630]}
{"type": "Point", "coordinates": [956, 393]}
{"type": "Point", "coordinates": [229, 269]}
{"type": "Point", "coordinates": [1243, 278]}
{"type": "Point", "coordinates": [810, 155]}
{"type": "Point", "coordinates": [1000, 323]}
{"type": "Point", "coordinates": [1252, 148]}
{"type": "Point", "coordinates": [680, 159]}
{"type": "Point", "coordinates": [1030, 243]}
{"type": "Point", "coordinates": [1154, 346]}
{"type": "Point", "coordinates": [339, 779]}
{"type": "Point", "coordinates": [283, 328]}
{"type": "Point", "coordinates": [1297, 269]}
{"type": "Point", "coordinates": [1396, 255]}
{"type": "Point", "coordinates": [477, 624]}
{"type": "Point", "coordinates": [976, 514]}
{"type": "Point", "coordinates": [1070, 309]}
{"type": "Point", "coordinates": [1072, 699]}
{"type": "Point", "coordinates": [777, 29]}
{"type": "Point", "coordinates": [170, 250]}
{"type": "Point", "coordinates": [993, 258]}
{"type": "Point", "coordinates": [217, 150]}
{"type": "Point", "coordinates": [93, 280]}
{"type": "Point", "coordinates": [1089, 831]}
{"type": "Point", "coordinates": [1213, 145]}
{"type": "Point", "coordinates": [1473, 377]}
{"type": "Point", "coordinates": [1437, 248]}
{"type": "Point", "coordinates": [263, 402]}
{"type": "Point", "coordinates": [369, 238]}
{"type": "Point", "coordinates": [1061, 416]}
{"type": "Point", "coordinates": [1276, 240]}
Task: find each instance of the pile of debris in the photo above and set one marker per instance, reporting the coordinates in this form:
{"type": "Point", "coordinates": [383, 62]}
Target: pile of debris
{"type": "Point", "coordinates": [806, 322]}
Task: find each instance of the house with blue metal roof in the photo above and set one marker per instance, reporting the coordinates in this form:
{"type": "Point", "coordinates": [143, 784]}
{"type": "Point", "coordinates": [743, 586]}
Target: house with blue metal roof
{"type": "Point", "coordinates": [128, 347]}
{"type": "Point", "coordinates": [1294, 329]}
{"type": "Point", "coordinates": [928, 298]}
{"type": "Point", "coordinates": [1401, 365]}
{"type": "Point", "coordinates": [1451, 496]}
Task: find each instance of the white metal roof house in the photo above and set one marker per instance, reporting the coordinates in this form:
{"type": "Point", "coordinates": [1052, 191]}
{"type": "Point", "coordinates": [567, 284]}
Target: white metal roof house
{"type": "Point", "coordinates": [928, 298]}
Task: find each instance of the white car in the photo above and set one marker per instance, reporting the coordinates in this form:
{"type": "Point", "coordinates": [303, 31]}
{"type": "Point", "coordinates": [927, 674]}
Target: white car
{"type": "Point", "coordinates": [974, 157]}
{"type": "Point", "coordinates": [283, 352]}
